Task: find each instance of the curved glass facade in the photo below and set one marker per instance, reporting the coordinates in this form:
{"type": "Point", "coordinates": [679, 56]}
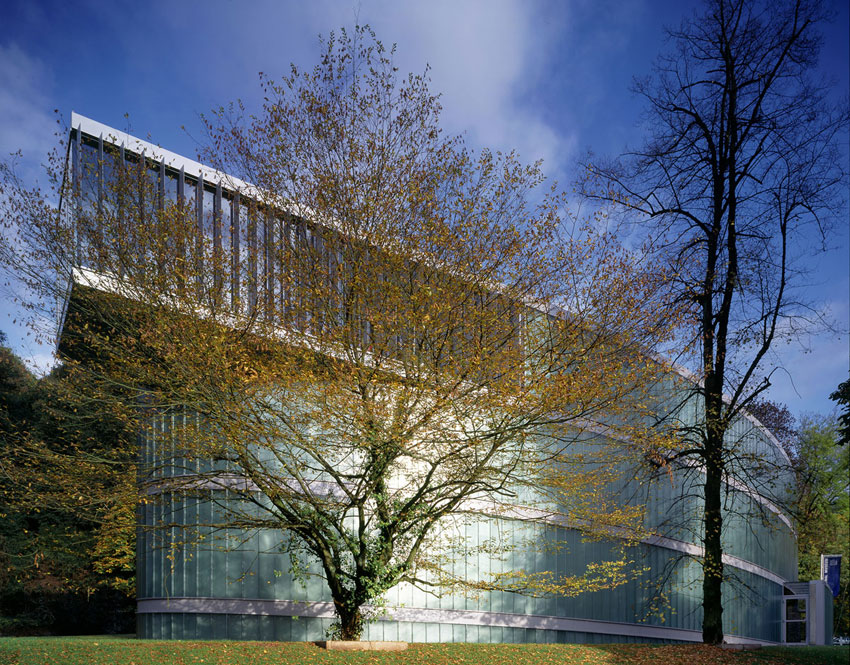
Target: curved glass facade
{"type": "Point", "coordinates": [197, 583]}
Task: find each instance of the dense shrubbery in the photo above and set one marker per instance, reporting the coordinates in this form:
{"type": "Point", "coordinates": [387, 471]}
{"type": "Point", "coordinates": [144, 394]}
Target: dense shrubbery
{"type": "Point", "coordinates": [66, 545]}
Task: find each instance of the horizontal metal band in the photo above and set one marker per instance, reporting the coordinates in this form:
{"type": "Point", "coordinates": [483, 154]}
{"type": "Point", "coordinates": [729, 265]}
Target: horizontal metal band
{"type": "Point", "coordinates": [548, 517]}
{"type": "Point", "coordinates": [496, 510]}
{"type": "Point", "coordinates": [753, 494]}
{"type": "Point", "coordinates": [260, 607]}
{"type": "Point", "coordinates": [728, 559]}
{"type": "Point", "coordinates": [223, 481]}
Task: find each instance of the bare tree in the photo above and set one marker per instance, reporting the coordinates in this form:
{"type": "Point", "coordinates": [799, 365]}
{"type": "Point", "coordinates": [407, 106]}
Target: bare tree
{"type": "Point", "coordinates": [740, 178]}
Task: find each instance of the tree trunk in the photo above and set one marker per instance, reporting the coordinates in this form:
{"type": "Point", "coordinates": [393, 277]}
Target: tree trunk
{"type": "Point", "coordinates": [350, 622]}
{"type": "Point", "coordinates": [712, 599]}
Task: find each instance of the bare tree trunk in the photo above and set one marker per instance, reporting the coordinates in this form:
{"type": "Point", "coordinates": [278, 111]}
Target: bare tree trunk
{"type": "Point", "coordinates": [712, 599]}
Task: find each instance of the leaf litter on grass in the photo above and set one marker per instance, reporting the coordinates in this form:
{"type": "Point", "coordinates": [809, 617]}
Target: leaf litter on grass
{"type": "Point", "coordinates": [82, 651]}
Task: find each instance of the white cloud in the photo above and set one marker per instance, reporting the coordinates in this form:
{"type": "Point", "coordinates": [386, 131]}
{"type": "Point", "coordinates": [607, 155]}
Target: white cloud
{"type": "Point", "coordinates": [486, 58]}
{"type": "Point", "coordinates": [39, 362]}
{"type": "Point", "coordinates": [27, 124]}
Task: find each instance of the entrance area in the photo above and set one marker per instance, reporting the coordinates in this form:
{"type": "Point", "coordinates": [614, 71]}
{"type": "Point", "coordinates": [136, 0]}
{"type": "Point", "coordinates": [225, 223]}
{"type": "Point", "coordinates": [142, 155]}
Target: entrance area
{"type": "Point", "coordinates": [807, 613]}
{"type": "Point", "coordinates": [794, 621]}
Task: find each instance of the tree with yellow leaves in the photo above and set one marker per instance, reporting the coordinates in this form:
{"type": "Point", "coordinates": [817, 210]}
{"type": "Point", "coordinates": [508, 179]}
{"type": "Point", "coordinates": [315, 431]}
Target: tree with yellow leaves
{"type": "Point", "coordinates": [382, 333]}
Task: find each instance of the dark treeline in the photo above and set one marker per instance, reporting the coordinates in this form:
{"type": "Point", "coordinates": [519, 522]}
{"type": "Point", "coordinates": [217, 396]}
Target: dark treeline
{"type": "Point", "coordinates": [67, 551]}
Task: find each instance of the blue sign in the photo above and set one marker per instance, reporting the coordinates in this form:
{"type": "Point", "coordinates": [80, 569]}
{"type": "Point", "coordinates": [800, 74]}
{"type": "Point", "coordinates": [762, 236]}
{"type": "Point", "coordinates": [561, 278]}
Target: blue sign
{"type": "Point", "coordinates": [831, 571]}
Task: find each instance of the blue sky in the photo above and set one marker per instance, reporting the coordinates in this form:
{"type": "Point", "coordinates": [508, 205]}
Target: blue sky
{"type": "Point", "coordinates": [548, 78]}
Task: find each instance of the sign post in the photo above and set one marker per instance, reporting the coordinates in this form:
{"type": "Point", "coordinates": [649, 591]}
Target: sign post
{"type": "Point", "coordinates": [830, 571]}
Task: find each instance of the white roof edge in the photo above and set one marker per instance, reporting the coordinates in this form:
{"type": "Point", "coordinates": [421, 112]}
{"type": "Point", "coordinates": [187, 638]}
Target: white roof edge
{"type": "Point", "coordinates": [152, 151]}
{"type": "Point", "coordinates": [190, 167]}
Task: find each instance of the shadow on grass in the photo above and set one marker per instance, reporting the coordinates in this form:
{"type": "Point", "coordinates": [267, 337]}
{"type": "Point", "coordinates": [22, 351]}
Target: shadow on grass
{"type": "Point", "coordinates": [697, 654]}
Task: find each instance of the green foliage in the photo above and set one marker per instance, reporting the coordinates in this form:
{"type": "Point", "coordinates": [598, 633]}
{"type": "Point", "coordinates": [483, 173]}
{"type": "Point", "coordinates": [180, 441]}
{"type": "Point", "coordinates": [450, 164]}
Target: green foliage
{"type": "Point", "coordinates": [16, 385]}
{"type": "Point", "coordinates": [842, 396]}
{"type": "Point", "coordinates": [67, 548]}
{"type": "Point", "coordinates": [823, 502]}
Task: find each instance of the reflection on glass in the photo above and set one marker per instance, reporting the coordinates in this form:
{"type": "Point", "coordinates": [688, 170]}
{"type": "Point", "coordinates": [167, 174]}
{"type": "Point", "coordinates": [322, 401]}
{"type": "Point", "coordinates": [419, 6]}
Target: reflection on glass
{"type": "Point", "coordinates": [112, 181]}
{"type": "Point", "coordinates": [250, 216]}
{"type": "Point", "coordinates": [226, 227]}
{"type": "Point", "coordinates": [171, 188]}
{"type": "Point", "coordinates": [152, 193]}
{"type": "Point", "coordinates": [87, 204]}
{"type": "Point", "coordinates": [88, 173]}
{"type": "Point", "coordinates": [189, 191]}
{"type": "Point", "coordinates": [208, 213]}
{"type": "Point", "coordinates": [88, 189]}
{"type": "Point", "coordinates": [795, 609]}
{"type": "Point", "coordinates": [795, 631]}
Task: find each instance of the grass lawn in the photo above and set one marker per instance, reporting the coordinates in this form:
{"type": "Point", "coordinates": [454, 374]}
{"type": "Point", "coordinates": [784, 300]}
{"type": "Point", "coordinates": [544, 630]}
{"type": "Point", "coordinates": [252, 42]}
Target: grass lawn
{"type": "Point", "coordinates": [122, 651]}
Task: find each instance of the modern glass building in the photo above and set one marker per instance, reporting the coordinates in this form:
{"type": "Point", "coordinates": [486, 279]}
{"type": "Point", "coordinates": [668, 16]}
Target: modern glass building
{"type": "Point", "coordinates": [245, 590]}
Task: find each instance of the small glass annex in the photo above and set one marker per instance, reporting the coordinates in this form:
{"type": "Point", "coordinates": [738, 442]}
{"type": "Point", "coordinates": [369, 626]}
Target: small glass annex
{"type": "Point", "coordinates": [246, 591]}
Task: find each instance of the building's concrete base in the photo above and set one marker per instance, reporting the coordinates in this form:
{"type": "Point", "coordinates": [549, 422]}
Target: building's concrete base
{"type": "Point", "coordinates": [741, 646]}
{"type": "Point", "coordinates": [338, 645]}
